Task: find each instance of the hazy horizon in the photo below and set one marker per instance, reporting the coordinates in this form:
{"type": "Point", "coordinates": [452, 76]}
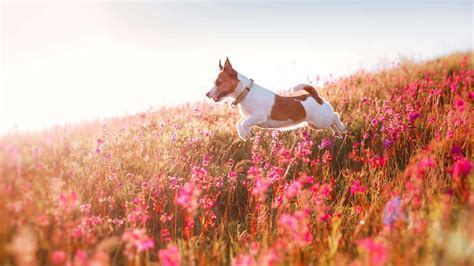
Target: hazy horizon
{"type": "Point", "coordinates": [70, 62]}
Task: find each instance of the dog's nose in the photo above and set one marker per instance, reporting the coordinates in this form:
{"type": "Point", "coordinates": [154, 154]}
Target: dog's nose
{"type": "Point", "coordinates": [208, 95]}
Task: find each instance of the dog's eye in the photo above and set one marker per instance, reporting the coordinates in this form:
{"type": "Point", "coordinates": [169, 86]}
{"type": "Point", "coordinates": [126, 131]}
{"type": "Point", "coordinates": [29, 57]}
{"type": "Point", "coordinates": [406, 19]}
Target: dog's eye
{"type": "Point", "coordinates": [218, 83]}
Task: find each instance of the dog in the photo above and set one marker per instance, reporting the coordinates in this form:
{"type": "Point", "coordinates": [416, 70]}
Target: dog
{"type": "Point", "coordinates": [265, 109]}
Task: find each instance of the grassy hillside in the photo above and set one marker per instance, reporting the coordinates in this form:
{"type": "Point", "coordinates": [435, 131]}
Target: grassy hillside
{"type": "Point", "coordinates": [177, 185]}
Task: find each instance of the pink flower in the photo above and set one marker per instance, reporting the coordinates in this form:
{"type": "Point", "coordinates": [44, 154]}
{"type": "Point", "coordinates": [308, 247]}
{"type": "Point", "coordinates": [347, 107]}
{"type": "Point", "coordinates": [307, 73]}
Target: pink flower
{"type": "Point", "coordinates": [357, 188]}
{"type": "Point", "coordinates": [244, 260]}
{"type": "Point", "coordinates": [188, 196]}
{"type": "Point", "coordinates": [461, 168]}
{"type": "Point", "coordinates": [260, 188]}
{"type": "Point", "coordinates": [378, 252]}
{"type": "Point", "coordinates": [58, 257]}
{"type": "Point", "coordinates": [136, 241]}
{"type": "Point", "coordinates": [377, 161]}
{"type": "Point", "coordinates": [284, 155]}
{"type": "Point", "coordinates": [170, 256]}
{"type": "Point", "coordinates": [426, 163]}
{"type": "Point", "coordinates": [293, 189]}
{"type": "Point", "coordinates": [69, 201]}
{"type": "Point", "coordinates": [80, 258]}
{"type": "Point", "coordinates": [296, 228]}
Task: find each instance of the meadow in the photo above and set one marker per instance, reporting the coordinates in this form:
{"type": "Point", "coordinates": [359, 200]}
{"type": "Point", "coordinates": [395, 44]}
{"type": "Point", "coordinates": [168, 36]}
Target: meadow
{"type": "Point", "coordinates": [176, 186]}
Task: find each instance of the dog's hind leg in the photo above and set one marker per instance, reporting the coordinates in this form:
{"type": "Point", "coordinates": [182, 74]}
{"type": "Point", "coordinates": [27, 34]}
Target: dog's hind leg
{"type": "Point", "coordinates": [338, 124]}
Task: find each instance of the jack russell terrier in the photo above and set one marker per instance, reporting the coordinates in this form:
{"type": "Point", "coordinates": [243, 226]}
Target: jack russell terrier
{"type": "Point", "coordinates": [265, 109]}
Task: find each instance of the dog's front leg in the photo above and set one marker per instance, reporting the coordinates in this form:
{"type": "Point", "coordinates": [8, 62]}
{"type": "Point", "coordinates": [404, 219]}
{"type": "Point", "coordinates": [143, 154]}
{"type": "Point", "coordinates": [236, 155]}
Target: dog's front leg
{"type": "Point", "coordinates": [244, 126]}
{"type": "Point", "coordinates": [240, 129]}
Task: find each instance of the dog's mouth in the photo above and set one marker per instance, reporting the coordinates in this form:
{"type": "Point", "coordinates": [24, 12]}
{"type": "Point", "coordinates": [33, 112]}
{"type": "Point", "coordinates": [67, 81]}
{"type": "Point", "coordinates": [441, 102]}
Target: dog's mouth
{"type": "Point", "coordinates": [216, 98]}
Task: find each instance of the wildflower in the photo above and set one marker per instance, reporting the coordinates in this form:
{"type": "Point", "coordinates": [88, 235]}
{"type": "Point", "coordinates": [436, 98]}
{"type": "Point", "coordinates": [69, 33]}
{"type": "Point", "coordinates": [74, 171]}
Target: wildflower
{"type": "Point", "coordinates": [165, 235]}
{"type": "Point", "coordinates": [413, 116]}
{"type": "Point", "coordinates": [296, 228]}
{"type": "Point", "coordinates": [357, 188]}
{"type": "Point", "coordinates": [187, 197]}
{"type": "Point", "coordinates": [69, 201]}
{"type": "Point", "coordinates": [387, 143]}
{"type": "Point", "coordinates": [374, 122]}
{"type": "Point", "coordinates": [80, 258]}
{"type": "Point", "coordinates": [170, 256]}
{"type": "Point", "coordinates": [85, 208]}
{"type": "Point", "coordinates": [391, 211]}
{"type": "Point", "coordinates": [244, 260]}
{"type": "Point", "coordinates": [327, 157]}
{"type": "Point", "coordinates": [284, 155]}
{"type": "Point", "coordinates": [136, 241]}
{"type": "Point", "coordinates": [459, 104]}
{"type": "Point", "coordinates": [325, 143]}
{"type": "Point", "coordinates": [461, 168]}
{"type": "Point", "coordinates": [426, 163]}
{"type": "Point", "coordinates": [260, 188]}
{"type": "Point", "coordinates": [293, 189]}
{"type": "Point", "coordinates": [58, 257]}
{"type": "Point", "coordinates": [276, 173]}
{"type": "Point", "coordinates": [377, 161]}
{"type": "Point", "coordinates": [456, 151]}
{"type": "Point", "coordinates": [324, 217]}
{"type": "Point", "coordinates": [378, 252]}
{"type": "Point", "coordinates": [42, 220]}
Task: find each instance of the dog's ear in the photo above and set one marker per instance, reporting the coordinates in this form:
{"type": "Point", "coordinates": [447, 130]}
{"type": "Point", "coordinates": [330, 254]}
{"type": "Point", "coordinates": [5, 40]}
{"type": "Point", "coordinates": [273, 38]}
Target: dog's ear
{"type": "Point", "coordinates": [228, 68]}
{"type": "Point", "coordinates": [227, 64]}
{"type": "Point", "coordinates": [220, 65]}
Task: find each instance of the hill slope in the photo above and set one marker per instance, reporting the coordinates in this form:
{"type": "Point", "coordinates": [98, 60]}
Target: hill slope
{"type": "Point", "coordinates": [177, 183]}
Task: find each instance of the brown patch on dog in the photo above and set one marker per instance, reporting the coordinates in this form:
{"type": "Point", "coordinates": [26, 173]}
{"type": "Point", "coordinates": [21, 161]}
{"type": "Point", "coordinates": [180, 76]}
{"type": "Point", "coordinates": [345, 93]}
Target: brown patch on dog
{"type": "Point", "coordinates": [227, 80]}
{"type": "Point", "coordinates": [288, 108]}
{"type": "Point", "coordinates": [313, 92]}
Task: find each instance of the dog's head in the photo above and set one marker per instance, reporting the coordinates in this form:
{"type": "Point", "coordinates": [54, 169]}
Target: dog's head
{"type": "Point", "coordinates": [226, 82]}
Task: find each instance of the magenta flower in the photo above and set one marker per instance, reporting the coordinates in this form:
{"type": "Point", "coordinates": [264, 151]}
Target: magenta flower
{"type": "Point", "coordinates": [456, 151]}
{"type": "Point", "coordinates": [459, 104]}
{"type": "Point", "coordinates": [413, 116]}
{"type": "Point", "coordinates": [170, 256]}
{"type": "Point", "coordinates": [461, 168]}
{"type": "Point", "coordinates": [357, 188]}
{"type": "Point", "coordinates": [325, 143]}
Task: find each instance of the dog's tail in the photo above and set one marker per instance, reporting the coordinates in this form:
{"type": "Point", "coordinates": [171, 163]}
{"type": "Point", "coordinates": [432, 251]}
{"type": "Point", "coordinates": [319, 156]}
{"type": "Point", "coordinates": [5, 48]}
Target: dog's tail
{"type": "Point", "coordinates": [311, 90]}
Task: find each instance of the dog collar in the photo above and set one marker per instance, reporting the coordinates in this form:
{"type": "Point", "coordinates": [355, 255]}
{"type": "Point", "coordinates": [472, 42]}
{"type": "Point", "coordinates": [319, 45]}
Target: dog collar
{"type": "Point", "coordinates": [242, 95]}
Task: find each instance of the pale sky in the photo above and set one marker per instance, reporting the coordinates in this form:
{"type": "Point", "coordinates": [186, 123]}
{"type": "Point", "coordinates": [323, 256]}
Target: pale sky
{"type": "Point", "coordinates": [68, 61]}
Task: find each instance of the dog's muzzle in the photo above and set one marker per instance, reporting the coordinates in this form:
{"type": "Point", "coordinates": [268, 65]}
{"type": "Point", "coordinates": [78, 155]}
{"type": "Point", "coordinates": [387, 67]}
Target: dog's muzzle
{"type": "Point", "coordinates": [215, 98]}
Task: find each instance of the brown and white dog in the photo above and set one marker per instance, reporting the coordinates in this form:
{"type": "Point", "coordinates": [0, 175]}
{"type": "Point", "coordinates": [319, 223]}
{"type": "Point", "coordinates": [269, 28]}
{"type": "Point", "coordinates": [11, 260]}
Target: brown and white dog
{"type": "Point", "coordinates": [265, 109]}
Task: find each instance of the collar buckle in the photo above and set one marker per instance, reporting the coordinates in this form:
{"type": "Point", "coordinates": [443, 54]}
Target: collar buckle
{"type": "Point", "coordinates": [242, 95]}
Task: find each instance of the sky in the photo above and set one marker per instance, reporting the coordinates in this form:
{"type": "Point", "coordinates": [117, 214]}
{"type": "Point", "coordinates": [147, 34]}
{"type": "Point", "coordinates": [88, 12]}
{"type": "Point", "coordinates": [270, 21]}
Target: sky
{"type": "Point", "coordinates": [68, 61]}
